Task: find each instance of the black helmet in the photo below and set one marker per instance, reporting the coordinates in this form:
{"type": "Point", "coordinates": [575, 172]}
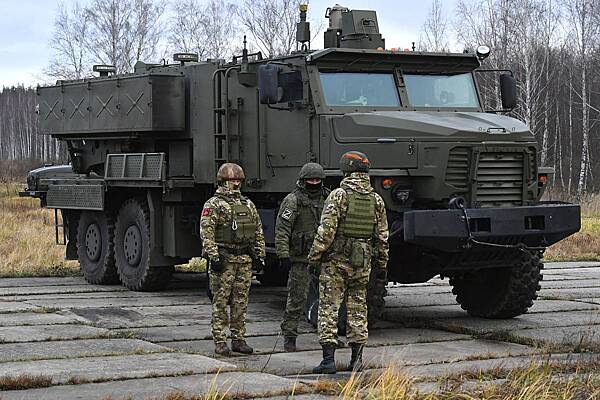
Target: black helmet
{"type": "Point", "coordinates": [311, 170]}
{"type": "Point", "coordinates": [354, 161]}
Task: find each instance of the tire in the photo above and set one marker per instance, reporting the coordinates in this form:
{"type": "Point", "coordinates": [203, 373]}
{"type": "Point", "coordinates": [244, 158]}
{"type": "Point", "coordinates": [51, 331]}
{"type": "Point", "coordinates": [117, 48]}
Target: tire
{"type": "Point", "coordinates": [272, 274]}
{"type": "Point", "coordinates": [132, 249]}
{"type": "Point", "coordinates": [501, 292]}
{"type": "Point", "coordinates": [95, 248]}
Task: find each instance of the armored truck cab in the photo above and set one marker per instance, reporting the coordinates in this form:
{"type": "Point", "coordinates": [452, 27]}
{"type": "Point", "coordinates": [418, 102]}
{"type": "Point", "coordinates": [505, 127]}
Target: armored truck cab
{"type": "Point", "coordinates": [462, 186]}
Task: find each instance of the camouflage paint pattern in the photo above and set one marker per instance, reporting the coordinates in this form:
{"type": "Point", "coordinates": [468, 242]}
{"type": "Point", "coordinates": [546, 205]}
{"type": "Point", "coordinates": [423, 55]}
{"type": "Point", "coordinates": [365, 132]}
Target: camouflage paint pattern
{"type": "Point", "coordinates": [298, 282]}
{"type": "Point", "coordinates": [338, 276]}
{"type": "Point", "coordinates": [339, 279]}
{"type": "Point", "coordinates": [217, 211]}
{"type": "Point", "coordinates": [296, 225]}
{"type": "Point", "coordinates": [230, 287]}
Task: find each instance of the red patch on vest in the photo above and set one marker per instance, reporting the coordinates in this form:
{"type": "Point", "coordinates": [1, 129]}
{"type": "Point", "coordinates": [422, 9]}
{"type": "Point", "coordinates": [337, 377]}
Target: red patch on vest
{"type": "Point", "coordinates": [205, 212]}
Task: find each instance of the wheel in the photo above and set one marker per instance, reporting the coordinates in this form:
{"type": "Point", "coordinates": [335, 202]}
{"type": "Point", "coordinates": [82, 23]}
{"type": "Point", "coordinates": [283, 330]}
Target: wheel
{"type": "Point", "coordinates": [95, 249]}
{"type": "Point", "coordinates": [375, 296]}
{"type": "Point", "coordinates": [272, 274]}
{"type": "Point", "coordinates": [500, 292]}
{"type": "Point", "coordinates": [132, 249]}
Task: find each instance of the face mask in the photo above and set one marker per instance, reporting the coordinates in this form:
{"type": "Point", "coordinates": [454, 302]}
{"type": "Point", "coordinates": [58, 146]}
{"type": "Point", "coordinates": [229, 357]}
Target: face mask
{"type": "Point", "coordinates": [313, 187]}
{"type": "Point", "coordinates": [233, 185]}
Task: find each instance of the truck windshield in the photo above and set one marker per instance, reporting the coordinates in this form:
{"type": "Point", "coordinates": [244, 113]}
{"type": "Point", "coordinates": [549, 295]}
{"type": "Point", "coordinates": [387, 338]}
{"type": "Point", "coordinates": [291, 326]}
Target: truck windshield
{"type": "Point", "coordinates": [360, 89]}
{"type": "Point", "coordinates": [441, 90]}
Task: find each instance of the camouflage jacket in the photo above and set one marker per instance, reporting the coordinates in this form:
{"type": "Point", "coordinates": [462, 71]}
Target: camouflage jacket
{"type": "Point", "coordinates": [217, 210]}
{"type": "Point", "coordinates": [297, 222]}
{"type": "Point", "coordinates": [335, 209]}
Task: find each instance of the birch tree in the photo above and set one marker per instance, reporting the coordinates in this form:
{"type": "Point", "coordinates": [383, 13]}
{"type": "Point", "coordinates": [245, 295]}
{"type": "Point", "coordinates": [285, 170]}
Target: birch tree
{"type": "Point", "coordinates": [434, 33]}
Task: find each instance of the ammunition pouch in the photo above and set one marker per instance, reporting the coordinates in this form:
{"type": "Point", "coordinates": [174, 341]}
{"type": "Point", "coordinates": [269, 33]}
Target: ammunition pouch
{"type": "Point", "coordinates": [300, 243]}
{"type": "Point", "coordinates": [229, 251]}
{"type": "Point", "coordinates": [240, 229]}
{"type": "Point", "coordinates": [357, 251]}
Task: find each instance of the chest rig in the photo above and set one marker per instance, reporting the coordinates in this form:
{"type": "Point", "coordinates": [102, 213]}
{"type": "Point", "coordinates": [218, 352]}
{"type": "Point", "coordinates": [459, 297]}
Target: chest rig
{"type": "Point", "coordinates": [306, 223]}
{"type": "Point", "coordinates": [238, 229]}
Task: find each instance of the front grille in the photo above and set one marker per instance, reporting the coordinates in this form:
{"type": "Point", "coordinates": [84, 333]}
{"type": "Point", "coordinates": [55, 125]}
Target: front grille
{"type": "Point", "coordinates": [457, 170]}
{"type": "Point", "coordinates": [500, 179]}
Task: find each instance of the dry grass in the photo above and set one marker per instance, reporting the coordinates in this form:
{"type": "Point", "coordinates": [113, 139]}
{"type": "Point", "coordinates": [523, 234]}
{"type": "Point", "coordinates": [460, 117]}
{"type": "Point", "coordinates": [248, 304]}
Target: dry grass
{"type": "Point", "coordinates": [24, 381]}
{"type": "Point", "coordinates": [27, 235]}
{"type": "Point", "coordinates": [27, 238]}
{"type": "Point", "coordinates": [537, 381]}
{"type": "Point", "coordinates": [585, 244]}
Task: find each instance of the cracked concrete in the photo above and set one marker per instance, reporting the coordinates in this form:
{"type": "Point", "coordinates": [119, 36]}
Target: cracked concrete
{"type": "Point", "coordinates": [148, 344]}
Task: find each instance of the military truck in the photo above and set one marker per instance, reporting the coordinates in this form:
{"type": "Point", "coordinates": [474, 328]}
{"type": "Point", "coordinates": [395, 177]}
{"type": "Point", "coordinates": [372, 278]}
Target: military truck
{"type": "Point", "coordinates": [462, 184]}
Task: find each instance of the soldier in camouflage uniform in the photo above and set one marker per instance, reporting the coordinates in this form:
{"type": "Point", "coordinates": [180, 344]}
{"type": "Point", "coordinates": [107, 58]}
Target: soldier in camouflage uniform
{"type": "Point", "coordinates": [232, 240]}
{"type": "Point", "coordinates": [352, 235]}
{"type": "Point", "coordinates": [295, 229]}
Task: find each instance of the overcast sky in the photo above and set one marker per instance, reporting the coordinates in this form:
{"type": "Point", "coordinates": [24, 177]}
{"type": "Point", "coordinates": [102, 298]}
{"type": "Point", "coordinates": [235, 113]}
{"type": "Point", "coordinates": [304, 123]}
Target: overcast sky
{"type": "Point", "coordinates": [26, 26]}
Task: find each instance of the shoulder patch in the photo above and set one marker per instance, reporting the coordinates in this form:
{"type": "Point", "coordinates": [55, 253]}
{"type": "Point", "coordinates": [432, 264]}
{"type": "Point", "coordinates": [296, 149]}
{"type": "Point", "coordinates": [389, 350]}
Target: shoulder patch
{"type": "Point", "coordinates": [286, 214]}
{"type": "Point", "coordinates": [205, 211]}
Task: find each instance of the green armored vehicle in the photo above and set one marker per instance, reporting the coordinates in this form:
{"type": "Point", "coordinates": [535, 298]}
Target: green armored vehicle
{"type": "Point", "coordinates": [462, 186]}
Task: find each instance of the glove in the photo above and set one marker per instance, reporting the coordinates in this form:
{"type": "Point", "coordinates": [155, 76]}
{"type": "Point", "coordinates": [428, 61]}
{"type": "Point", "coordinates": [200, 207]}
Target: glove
{"type": "Point", "coordinates": [285, 264]}
{"type": "Point", "coordinates": [216, 265]}
{"type": "Point", "coordinates": [258, 264]}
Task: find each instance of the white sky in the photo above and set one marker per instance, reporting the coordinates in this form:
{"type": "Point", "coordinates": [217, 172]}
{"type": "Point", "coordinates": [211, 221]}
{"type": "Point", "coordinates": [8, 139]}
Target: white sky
{"type": "Point", "coordinates": [26, 26]}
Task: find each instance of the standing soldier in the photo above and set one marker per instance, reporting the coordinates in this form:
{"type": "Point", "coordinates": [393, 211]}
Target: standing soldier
{"type": "Point", "coordinates": [297, 223]}
{"type": "Point", "coordinates": [232, 240]}
{"type": "Point", "coordinates": [353, 233]}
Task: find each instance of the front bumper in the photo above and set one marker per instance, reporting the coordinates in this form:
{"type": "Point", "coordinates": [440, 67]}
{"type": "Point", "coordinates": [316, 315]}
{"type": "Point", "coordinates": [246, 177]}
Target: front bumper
{"type": "Point", "coordinates": [534, 226]}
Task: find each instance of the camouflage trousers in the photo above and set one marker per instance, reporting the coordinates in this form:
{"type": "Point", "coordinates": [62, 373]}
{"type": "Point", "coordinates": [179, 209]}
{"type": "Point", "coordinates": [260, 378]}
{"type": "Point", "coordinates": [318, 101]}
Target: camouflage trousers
{"type": "Point", "coordinates": [298, 282]}
{"type": "Point", "coordinates": [230, 288]}
{"type": "Point", "coordinates": [339, 279]}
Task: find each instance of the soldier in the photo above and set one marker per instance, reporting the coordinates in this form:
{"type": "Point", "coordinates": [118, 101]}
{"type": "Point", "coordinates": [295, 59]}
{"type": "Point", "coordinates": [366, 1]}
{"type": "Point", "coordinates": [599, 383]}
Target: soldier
{"type": "Point", "coordinates": [353, 234]}
{"type": "Point", "coordinates": [232, 240]}
{"type": "Point", "coordinates": [297, 222]}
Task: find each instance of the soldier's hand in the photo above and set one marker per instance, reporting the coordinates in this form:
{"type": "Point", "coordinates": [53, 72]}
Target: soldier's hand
{"type": "Point", "coordinates": [285, 264]}
{"type": "Point", "coordinates": [216, 265]}
{"type": "Point", "coordinates": [258, 264]}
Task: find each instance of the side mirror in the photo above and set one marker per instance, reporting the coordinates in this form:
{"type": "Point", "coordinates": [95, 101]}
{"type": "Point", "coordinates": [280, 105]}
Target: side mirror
{"type": "Point", "coordinates": [508, 91]}
{"type": "Point", "coordinates": [268, 84]}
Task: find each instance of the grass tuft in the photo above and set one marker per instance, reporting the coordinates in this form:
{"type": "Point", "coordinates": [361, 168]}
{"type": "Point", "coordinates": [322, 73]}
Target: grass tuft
{"type": "Point", "coordinates": [24, 381]}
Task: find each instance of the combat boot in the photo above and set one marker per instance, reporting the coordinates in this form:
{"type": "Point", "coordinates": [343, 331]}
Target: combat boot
{"type": "Point", "coordinates": [222, 349]}
{"type": "Point", "coordinates": [356, 363]}
{"type": "Point", "coordinates": [327, 366]}
{"type": "Point", "coordinates": [289, 344]}
{"type": "Point", "coordinates": [241, 346]}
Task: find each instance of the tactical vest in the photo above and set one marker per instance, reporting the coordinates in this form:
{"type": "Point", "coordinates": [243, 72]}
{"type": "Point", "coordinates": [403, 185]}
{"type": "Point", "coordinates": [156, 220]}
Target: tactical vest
{"type": "Point", "coordinates": [359, 221]}
{"type": "Point", "coordinates": [239, 228]}
{"type": "Point", "coordinates": [352, 240]}
{"type": "Point", "coordinates": [306, 223]}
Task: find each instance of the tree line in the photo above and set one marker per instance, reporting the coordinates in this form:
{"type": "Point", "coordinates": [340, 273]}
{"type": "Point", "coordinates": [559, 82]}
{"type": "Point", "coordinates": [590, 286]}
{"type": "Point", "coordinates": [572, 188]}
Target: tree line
{"type": "Point", "coordinates": [552, 47]}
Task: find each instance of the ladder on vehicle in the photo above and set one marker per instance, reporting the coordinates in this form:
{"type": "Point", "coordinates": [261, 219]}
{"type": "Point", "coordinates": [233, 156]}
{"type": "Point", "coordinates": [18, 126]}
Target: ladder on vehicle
{"type": "Point", "coordinates": [222, 112]}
